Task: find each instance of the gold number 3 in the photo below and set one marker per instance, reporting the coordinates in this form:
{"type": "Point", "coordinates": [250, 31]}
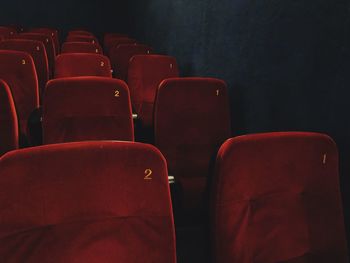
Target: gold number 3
{"type": "Point", "coordinates": [148, 174]}
{"type": "Point", "coordinates": [117, 93]}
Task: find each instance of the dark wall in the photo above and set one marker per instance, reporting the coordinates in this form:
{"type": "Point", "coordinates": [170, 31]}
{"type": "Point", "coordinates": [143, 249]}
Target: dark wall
{"type": "Point", "coordinates": [96, 15]}
{"type": "Point", "coordinates": [287, 63]}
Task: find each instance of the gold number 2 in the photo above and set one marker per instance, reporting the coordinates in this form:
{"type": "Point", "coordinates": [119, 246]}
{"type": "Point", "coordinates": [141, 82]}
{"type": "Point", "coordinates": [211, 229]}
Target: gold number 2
{"type": "Point", "coordinates": [148, 173]}
{"type": "Point", "coordinates": [117, 93]}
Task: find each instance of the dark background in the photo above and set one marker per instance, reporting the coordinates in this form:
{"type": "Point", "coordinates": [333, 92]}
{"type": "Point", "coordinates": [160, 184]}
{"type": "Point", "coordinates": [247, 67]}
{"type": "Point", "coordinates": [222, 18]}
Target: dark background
{"type": "Point", "coordinates": [286, 62]}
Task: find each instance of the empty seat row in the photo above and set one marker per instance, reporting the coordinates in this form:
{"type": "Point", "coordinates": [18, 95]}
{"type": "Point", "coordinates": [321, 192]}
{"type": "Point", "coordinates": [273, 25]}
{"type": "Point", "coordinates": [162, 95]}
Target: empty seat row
{"type": "Point", "coordinates": [82, 64]}
{"type": "Point", "coordinates": [266, 194]}
{"type": "Point", "coordinates": [275, 198]}
{"type": "Point", "coordinates": [48, 43]}
{"type": "Point", "coordinates": [7, 32]}
{"type": "Point", "coordinates": [37, 51]}
{"type": "Point", "coordinates": [82, 38]}
{"type": "Point", "coordinates": [81, 47]}
{"type": "Point", "coordinates": [114, 41]}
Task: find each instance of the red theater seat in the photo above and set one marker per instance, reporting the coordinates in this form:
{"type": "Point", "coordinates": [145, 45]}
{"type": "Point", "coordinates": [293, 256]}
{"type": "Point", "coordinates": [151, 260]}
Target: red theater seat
{"type": "Point", "coordinates": [48, 43]}
{"type": "Point", "coordinates": [276, 198]}
{"type": "Point", "coordinates": [7, 32]}
{"type": "Point", "coordinates": [8, 120]}
{"type": "Point", "coordinates": [121, 55]}
{"type": "Point", "coordinates": [87, 108]}
{"type": "Point", "coordinates": [191, 121]}
{"type": "Point", "coordinates": [82, 38]}
{"type": "Point", "coordinates": [116, 41]}
{"type": "Point", "coordinates": [80, 33]}
{"type": "Point", "coordinates": [17, 69]}
{"type": "Point", "coordinates": [81, 47]}
{"type": "Point", "coordinates": [145, 74]}
{"type": "Point", "coordinates": [108, 36]}
{"type": "Point", "coordinates": [86, 202]}
{"type": "Point", "coordinates": [37, 50]}
{"type": "Point", "coordinates": [82, 64]}
{"type": "Point", "coordinates": [51, 32]}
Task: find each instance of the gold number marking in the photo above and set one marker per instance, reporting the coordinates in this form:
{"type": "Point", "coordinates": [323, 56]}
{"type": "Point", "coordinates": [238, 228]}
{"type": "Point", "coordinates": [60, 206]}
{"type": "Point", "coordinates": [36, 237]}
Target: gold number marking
{"type": "Point", "coordinates": [47, 40]}
{"type": "Point", "coordinates": [117, 93]}
{"type": "Point", "coordinates": [148, 174]}
{"type": "Point", "coordinates": [102, 64]}
{"type": "Point", "coordinates": [23, 61]}
{"type": "Point", "coordinates": [96, 50]}
{"type": "Point", "coordinates": [38, 48]}
{"type": "Point", "coordinates": [324, 158]}
{"type": "Point", "coordinates": [217, 92]}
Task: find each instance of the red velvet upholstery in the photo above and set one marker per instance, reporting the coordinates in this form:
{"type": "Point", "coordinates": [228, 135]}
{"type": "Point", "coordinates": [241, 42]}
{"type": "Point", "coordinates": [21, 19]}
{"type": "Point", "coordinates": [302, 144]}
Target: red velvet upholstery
{"type": "Point", "coordinates": [8, 120]}
{"type": "Point", "coordinates": [82, 64]}
{"type": "Point", "coordinates": [276, 198]}
{"type": "Point", "coordinates": [18, 71]}
{"type": "Point", "coordinates": [7, 32]}
{"type": "Point", "coordinates": [51, 32]}
{"type": "Point", "coordinates": [82, 38]}
{"type": "Point", "coordinates": [120, 56]}
{"type": "Point", "coordinates": [86, 202]}
{"type": "Point", "coordinates": [80, 33]}
{"type": "Point", "coordinates": [81, 47]}
{"type": "Point", "coordinates": [108, 36]}
{"type": "Point", "coordinates": [48, 43]}
{"type": "Point", "coordinates": [87, 108]}
{"type": "Point", "coordinates": [145, 74]}
{"type": "Point", "coordinates": [116, 41]}
{"type": "Point", "coordinates": [37, 50]}
{"type": "Point", "coordinates": [191, 121]}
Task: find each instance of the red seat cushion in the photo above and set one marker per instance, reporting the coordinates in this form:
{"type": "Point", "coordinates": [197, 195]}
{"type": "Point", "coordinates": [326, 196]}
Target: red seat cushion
{"type": "Point", "coordinates": [86, 202]}
{"type": "Point", "coordinates": [17, 69]}
{"type": "Point", "coordinates": [8, 120]}
{"type": "Point", "coordinates": [192, 120]}
{"type": "Point", "coordinates": [145, 74]}
{"type": "Point", "coordinates": [82, 64]}
{"type": "Point", "coordinates": [87, 108]}
{"type": "Point", "coordinates": [276, 198]}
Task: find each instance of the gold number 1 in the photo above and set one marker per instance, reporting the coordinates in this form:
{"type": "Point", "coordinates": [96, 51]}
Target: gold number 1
{"type": "Point", "coordinates": [217, 92]}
